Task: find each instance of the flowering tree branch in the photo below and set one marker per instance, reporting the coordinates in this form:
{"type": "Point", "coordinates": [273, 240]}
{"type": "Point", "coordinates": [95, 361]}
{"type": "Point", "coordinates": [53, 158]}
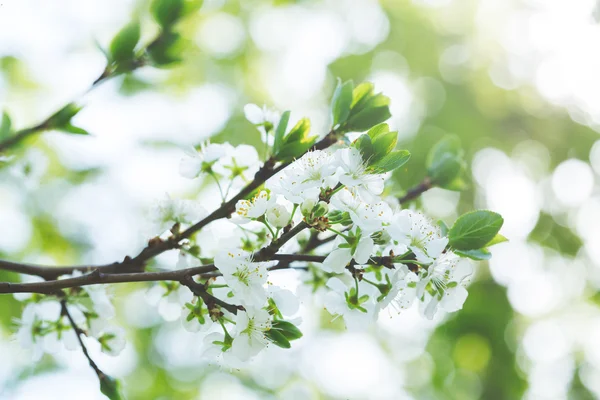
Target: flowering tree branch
{"type": "Point", "coordinates": [78, 332]}
{"type": "Point", "coordinates": [416, 191]}
{"type": "Point", "coordinates": [338, 191]}
{"type": "Point", "coordinates": [200, 290]}
{"type": "Point", "coordinates": [182, 275]}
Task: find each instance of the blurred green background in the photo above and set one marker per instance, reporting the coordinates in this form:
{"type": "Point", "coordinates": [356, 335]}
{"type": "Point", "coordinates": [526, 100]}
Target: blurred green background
{"type": "Point", "coordinates": [515, 79]}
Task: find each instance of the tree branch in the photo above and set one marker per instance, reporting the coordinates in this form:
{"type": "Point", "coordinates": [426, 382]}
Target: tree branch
{"type": "Point", "coordinates": [78, 332]}
{"type": "Point", "coordinates": [199, 290]}
{"type": "Point", "coordinates": [416, 191]}
{"type": "Point", "coordinates": [206, 271]}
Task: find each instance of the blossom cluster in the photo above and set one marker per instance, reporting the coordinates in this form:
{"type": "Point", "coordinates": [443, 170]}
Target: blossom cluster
{"type": "Point", "coordinates": [46, 321]}
{"type": "Point", "coordinates": [339, 194]}
{"type": "Point", "coordinates": [322, 210]}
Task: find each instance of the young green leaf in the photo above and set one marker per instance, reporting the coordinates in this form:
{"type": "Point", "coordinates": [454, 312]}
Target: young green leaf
{"type": "Point", "coordinates": [74, 129]}
{"type": "Point", "coordinates": [443, 228]}
{"type": "Point", "coordinates": [111, 388]}
{"type": "Point", "coordinates": [280, 131]}
{"type": "Point", "coordinates": [5, 125]}
{"type": "Point", "coordinates": [360, 95]}
{"type": "Point", "coordinates": [341, 101]}
{"type": "Point", "coordinates": [123, 44]}
{"type": "Point", "coordinates": [474, 230]}
{"type": "Point", "coordinates": [497, 239]}
{"type": "Point", "coordinates": [289, 330]}
{"type": "Point", "coordinates": [278, 338]}
{"type": "Point", "coordinates": [364, 145]}
{"type": "Point", "coordinates": [292, 150]}
{"type": "Point", "coordinates": [449, 144]}
{"type": "Point", "coordinates": [383, 145]}
{"type": "Point", "coordinates": [393, 160]}
{"type": "Point", "coordinates": [63, 117]}
{"type": "Point", "coordinates": [371, 112]}
{"type": "Point", "coordinates": [478, 254]}
{"type": "Point", "coordinates": [299, 132]}
{"type": "Point", "coordinates": [445, 170]}
{"type": "Point", "coordinates": [164, 51]}
{"type": "Point", "coordinates": [378, 130]}
{"type": "Point", "coordinates": [166, 12]}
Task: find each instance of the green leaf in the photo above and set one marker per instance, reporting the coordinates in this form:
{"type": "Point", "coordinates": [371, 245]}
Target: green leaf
{"type": "Point", "coordinates": [449, 144]}
{"type": "Point", "coordinates": [62, 118]}
{"type": "Point", "coordinates": [164, 50]}
{"type": "Point", "coordinates": [478, 254]}
{"type": "Point", "coordinates": [364, 145]}
{"type": "Point", "coordinates": [299, 133]}
{"type": "Point", "coordinates": [341, 101]}
{"type": "Point", "coordinates": [111, 388]}
{"type": "Point", "coordinates": [383, 144]}
{"type": "Point", "coordinates": [443, 228]}
{"type": "Point", "coordinates": [166, 12]}
{"type": "Point", "coordinates": [497, 239]}
{"type": "Point", "coordinates": [5, 125]}
{"type": "Point", "coordinates": [74, 129]}
{"type": "Point", "coordinates": [378, 130]}
{"type": "Point", "coordinates": [446, 164]}
{"type": "Point", "coordinates": [446, 170]}
{"type": "Point", "coordinates": [374, 111]}
{"type": "Point", "coordinates": [360, 95]}
{"type": "Point", "coordinates": [458, 184]}
{"type": "Point", "coordinates": [474, 230]}
{"type": "Point", "coordinates": [123, 44]}
{"type": "Point", "coordinates": [289, 330]}
{"type": "Point", "coordinates": [278, 338]}
{"type": "Point", "coordinates": [393, 160]}
{"type": "Point", "coordinates": [289, 151]}
{"type": "Point", "coordinates": [280, 130]}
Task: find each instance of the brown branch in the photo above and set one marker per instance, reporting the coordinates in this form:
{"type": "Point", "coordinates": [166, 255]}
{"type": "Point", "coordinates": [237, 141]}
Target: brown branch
{"type": "Point", "coordinates": [50, 272]}
{"type": "Point", "coordinates": [416, 191]}
{"type": "Point", "coordinates": [181, 275]}
{"type": "Point", "coordinates": [78, 332]}
{"type": "Point", "coordinates": [200, 290]}
{"type": "Point", "coordinates": [156, 247]}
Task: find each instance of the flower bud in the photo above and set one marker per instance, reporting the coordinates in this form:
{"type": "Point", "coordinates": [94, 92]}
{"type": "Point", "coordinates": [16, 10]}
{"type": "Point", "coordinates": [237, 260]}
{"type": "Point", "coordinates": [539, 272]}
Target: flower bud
{"type": "Point", "coordinates": [307, 207]}
{"type": "Point", "coordinates": [321, 209]}
{"type": "Point", "coordinates": [339, 217]}
{"type": "Point", "coordinates": [381, 238]}
{"type": "Point", "coordinates": [278, 216]}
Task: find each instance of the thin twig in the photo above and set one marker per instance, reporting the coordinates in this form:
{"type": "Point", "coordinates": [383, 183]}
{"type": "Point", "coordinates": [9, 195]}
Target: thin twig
{"type": "Point", "coordinates": [199, 290]}
{"type": "Point", "coordinates": [78, 332]}
{"type": "Point", "coordinates": [416, 191]}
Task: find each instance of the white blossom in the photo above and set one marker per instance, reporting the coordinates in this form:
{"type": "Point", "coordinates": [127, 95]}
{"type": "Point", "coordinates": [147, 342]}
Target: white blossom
{"type": "Point", "coordinates": [370, 217]}
{"type": "Point", "coordinates": [419, 234]}
{"type": "Point", "coordinates": [337, 260]}
{"type": "Point", "coordinates": [169, 211]}
{"type": "Point", "coordinates": [403, 290]}
{"type": "Point", "coordinates": [285, 300]}
{"type": "Point", "coordinates": [169, 301]}
{"type": "Point", "coordinates": [245, 278]}
{"type": "Point", "coordinates": [42, 328]}
{"type": "Point", "coordinates": [256, 207]}
{"type": "Point", "coordinates": [112, 341]}
{"type": "Point", "coordinates": [194, 161]}
{"type": "Point", "coordinates": [250, 336]}
{"type": "Point", "coordinates": [305, 177]}
{"type": "Point", "coordinates": [241, 161]}
{"type": "Point", "coordinates": [336, 303]}
{"type": "Point", "coordinates": [443, 284]}
{"type": "Point", "coordinates": [356, 176]}
{"type": "Point", "coordinates": [279, 216]}
{"type": "Point", "coordinates": [261, 117]}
